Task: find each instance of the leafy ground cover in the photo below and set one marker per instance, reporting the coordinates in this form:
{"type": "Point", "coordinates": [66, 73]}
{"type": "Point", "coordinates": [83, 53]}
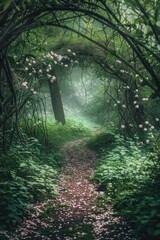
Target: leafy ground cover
{"type": "Point", "coordinates": [118, 200]}
{"type": "Point", "coordinates": [29, 179]}
{"type": "Point", "coordinates": [78, 211]}
{"type": "Point", "coordinates": [129, 174]}
{"type": "Point", "coordinates": [29, 171]}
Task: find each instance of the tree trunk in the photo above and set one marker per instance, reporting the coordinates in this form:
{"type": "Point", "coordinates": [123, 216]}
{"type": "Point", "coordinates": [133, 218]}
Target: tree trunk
{"type": "Point", "coordinates": [56, 101]}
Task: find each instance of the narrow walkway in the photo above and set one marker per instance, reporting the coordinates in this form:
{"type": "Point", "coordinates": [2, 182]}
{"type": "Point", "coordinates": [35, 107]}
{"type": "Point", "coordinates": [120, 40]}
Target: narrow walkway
{"type": "Point", "coordinates": [75, 213]}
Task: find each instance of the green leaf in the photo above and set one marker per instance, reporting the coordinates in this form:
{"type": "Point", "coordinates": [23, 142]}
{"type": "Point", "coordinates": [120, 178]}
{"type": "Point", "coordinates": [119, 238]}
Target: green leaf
{"type": "Point", "coordinates": [23, 165]}
{"type": "Point", "coordinates": [154, 212]}
{"type": "Point", "coordinates": [6, 4]}
{"type": "Point", "coordinates": [157, 233]}
{"type": "Point", "coordinates": [43, 171]}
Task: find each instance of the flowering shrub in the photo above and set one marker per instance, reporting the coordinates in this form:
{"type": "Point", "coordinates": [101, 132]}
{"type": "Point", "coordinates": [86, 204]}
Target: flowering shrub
{"type": "Point", "coordinates": [41, 69]}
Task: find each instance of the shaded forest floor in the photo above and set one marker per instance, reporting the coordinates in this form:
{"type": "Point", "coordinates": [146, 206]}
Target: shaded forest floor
{"type": "Point", "coordinates": [77, 212]}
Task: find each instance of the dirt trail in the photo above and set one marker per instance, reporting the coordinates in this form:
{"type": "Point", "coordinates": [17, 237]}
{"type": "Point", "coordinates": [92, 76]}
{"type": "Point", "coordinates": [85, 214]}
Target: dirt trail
{"type": "Point", "coordinates": [75, 214]}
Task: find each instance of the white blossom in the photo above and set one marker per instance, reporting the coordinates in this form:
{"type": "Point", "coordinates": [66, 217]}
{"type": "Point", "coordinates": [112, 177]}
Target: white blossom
{"type": "Point", "coordinates": [53, 79]}
{"type": "Point", "coordinates": [145, 99]}
{"type": "Point", "coordinates": [118, 61]}
{"type": "Point", "coordinates": [60, 58]}
{"type": "Point", "coordinates": [24, 84]}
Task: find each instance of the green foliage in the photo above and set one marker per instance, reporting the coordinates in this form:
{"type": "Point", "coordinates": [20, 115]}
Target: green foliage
{"type": "Point", "coordinates": [33, 178]}
{"type": "Point", "coordinates": [40, 178]}
{"type": "Point", "coordinates": [144, 212]}
{"type": "Point", "coordinates": [32, 173]}
{"type": "Point", "coordinates": [101, 141]}
{"type": "Point", "coordinates": [124, 162]}
{"type": "Point", "coordinates": [14, 200]}
{"type": "Point", "coordinates": [56, 134]}
{"type": "Point", "coordinates": [130, 177]}
{"type": "Point", "coordinates": [5, 4]}
{"type": "Point", "coordinates": [59, 134]}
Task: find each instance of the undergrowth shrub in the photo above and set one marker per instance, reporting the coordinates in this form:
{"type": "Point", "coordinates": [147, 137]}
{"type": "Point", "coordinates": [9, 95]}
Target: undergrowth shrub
{"type": "Point", "coordinates": [101, 141]}
{"type": "Point", "coordinates": [15, 199]}
{"type": "Point", "coordinates": [29, 172]}
{"type": "Point", "coordinates": [129, 174]}
{"type": "Point", "coordinates": [31, 177]}
{"type": "Point", "coordinates": [39, 179]}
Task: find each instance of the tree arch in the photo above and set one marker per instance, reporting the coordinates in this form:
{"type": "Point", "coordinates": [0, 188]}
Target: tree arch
{"type": "Point", "coordinates": [115, 21]}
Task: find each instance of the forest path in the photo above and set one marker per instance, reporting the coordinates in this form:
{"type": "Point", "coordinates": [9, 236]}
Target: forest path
{"type": "Point", "coordinates": [75, 213]}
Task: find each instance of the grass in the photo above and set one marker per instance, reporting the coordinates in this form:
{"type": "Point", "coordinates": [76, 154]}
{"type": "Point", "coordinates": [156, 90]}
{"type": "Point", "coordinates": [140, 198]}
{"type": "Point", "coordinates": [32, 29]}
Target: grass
{"type": "Point", "coordinates": [54, 135]}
